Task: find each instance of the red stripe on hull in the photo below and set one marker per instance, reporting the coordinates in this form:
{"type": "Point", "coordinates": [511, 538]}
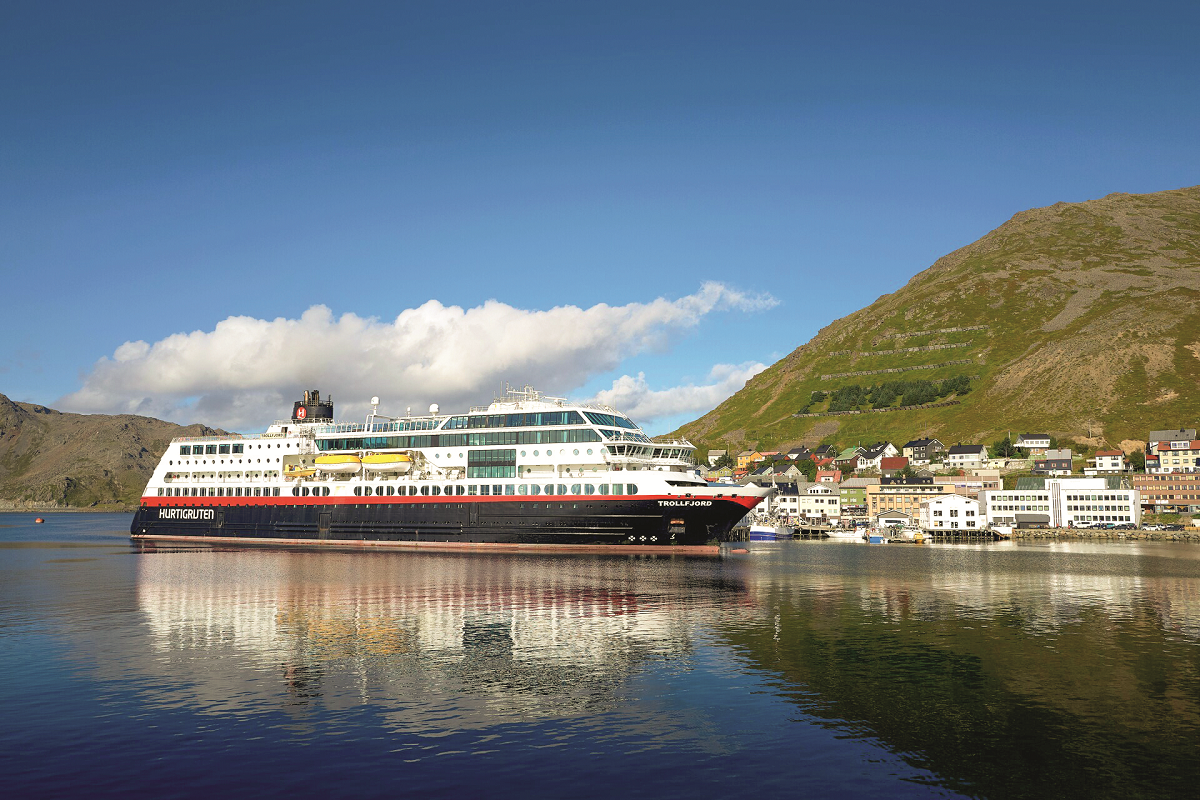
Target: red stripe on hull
{"type": "Point", "coordinates": [290, 500]}
{"type": "Point", "coordinates": [358, 544]}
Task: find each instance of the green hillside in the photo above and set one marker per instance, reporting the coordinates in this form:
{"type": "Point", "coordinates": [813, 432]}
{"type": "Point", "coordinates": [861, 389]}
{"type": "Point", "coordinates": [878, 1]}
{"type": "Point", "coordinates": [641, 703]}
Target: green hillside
{"type": "Point", "coordinates": [1081, 320]}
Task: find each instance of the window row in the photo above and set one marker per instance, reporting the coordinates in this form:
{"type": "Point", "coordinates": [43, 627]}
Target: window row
{"type": "Point", "coordinates": [459, 440]}
{"type": "Point", "coordinates": [515, 420]}
{"type": "Point", "coordinates": [220, 491]}
{"type": "Point", "coordinates": [209, 449]}
{"type": "Point", "coordinates": [494, 490]}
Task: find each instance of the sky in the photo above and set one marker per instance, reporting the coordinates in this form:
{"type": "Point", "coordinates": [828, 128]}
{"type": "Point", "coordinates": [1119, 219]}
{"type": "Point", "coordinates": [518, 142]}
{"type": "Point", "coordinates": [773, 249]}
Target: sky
{"type": "Point", "coordinates": [206, 208]}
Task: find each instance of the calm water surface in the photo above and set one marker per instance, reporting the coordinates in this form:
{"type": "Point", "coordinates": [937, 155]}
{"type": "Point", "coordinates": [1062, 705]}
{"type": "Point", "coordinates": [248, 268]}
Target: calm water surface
{"type": "Point", "coordinates": [816, 669]}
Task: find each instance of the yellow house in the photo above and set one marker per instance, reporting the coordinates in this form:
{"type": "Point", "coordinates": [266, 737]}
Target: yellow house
{"type": "Point", "coordinates": [899, 494]}
{"type": "Point", "coordinates": [743, 459]}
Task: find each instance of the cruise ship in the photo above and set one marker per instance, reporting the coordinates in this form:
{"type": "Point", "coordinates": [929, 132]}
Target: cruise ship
{"type": "Point", "coordinates": [527, 471]}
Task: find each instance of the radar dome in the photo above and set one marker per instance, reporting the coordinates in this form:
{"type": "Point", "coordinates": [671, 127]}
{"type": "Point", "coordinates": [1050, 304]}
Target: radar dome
{"type": "Point", "coordinates": [433, 408]}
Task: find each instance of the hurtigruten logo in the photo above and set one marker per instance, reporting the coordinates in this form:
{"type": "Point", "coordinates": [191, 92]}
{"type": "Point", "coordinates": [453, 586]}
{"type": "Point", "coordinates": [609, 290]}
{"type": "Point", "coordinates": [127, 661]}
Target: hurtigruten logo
{"type": "Point", "coordinates": [186, 513]}
{"type": "Point", "coordinates": [674, 503]}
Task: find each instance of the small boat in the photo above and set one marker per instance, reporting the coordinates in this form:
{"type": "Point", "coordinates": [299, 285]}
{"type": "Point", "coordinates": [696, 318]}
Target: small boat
{"type": "Point", "coordinates": [845, 534]}
{"type": "Point", "coordinates": [387, 462]}
{"type": "Point", "coordinates": [769, 533]}
{"type": "Point", "coordinates": [343, 464]}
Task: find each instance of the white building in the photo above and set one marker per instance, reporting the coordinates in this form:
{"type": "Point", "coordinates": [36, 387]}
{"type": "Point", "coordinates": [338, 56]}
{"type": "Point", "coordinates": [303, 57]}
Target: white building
{"type": "Point", "coordinates": [784, 503]}
{"type": "Point", "coordinates": [951, 512]}
{"type": "Point", "coordinates": [1035, 443]}
{"type": "Point", "coordinates": [1106, 462]}
{"type": "Point", "coordinates": [962, 456]}
{"type": "Point", "coordinates": [870, 457]}
{"type": "Point", "coordinates": [820, 501]}
{"type": "Point", "coordinates": [1062, 502]}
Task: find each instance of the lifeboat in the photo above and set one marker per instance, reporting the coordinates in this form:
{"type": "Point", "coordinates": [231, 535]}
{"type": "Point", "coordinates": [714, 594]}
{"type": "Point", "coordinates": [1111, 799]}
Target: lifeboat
{"type": "Point", "coordinates": [387, 462]}
{"type": "Point", "coordinates": [342, 464]}
{"type": "Point", "coordinates": [298, 471]}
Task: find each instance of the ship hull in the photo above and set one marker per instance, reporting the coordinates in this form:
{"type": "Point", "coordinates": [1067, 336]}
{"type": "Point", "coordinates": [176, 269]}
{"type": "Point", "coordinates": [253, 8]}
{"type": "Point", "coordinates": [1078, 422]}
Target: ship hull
{"type": "Point", "coordinates": [650, 524]}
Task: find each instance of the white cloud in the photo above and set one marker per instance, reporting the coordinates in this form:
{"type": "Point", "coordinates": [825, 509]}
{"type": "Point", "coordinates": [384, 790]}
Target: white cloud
{"type": "Point", "coordinates": [645, 406]}
{"type": "Point", "coordinates": [247, 371]}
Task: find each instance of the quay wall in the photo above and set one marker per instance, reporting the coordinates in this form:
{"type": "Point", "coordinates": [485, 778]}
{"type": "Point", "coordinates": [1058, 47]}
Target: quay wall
{"type": "Point", "coordinates": [1186, 535]}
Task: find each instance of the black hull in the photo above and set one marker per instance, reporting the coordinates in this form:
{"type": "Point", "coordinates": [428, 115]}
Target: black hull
{"type": "Point", "coordinates": [635, 522]}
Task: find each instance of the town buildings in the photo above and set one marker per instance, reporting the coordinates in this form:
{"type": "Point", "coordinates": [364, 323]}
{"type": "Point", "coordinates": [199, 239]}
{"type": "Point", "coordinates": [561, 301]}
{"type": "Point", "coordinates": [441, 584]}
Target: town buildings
{"type": "Point", "coordinates": [870, 458]}
{"type": "Point", "coordinates": [1106, 462]}
{"type": "Point", "coordinates": [902, 494]}
{"type": "Point", "coordinates": [1062, 502]}
{"type": "Point", "coordinates": [1036, 444]}
{"type": "Point", "coordinates": [951, 512]}
{"type": "Point", "coordinates": [920, 452]}
{"type": "Point", "coordinates": [973, 482]}
{"type": "Point", "coordinates": [963, 456]}
{"type": "Point", "coordinates": [853, 496]}
{"type": "Point", "coordinates": [1056, 462]}
{"type": "Point", "coordinates": [820, 503]}
{"type": "Point", "coordinates": [1169, 492]}
{"type": "Point", "coordinates": [1175, 455]}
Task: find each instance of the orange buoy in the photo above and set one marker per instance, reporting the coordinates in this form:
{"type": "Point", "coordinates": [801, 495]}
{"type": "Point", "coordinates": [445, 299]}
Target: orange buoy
{"type": "Point", "coordinates": [39, 520]}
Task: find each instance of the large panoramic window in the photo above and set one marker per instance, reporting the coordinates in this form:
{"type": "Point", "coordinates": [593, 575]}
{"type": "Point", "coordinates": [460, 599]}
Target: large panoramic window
{"type": "Point", "coordinates": [514, 420]}
{"type": "Point", "coordinates": [609, 420]}
{"type": "Point", "coordinates": [491, 463]}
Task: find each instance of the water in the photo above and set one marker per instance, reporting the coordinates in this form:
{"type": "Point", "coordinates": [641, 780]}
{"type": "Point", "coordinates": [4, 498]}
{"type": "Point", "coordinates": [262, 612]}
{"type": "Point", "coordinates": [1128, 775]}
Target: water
{"type": "Point", "coordinates": [803, 668]}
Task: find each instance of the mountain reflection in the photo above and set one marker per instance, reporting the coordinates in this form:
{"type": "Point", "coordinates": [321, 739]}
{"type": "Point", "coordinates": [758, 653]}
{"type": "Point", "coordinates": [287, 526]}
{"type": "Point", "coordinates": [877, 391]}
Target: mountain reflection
{"type": "Point", "coordinates": [1064, 672]}
{"type": "Point", "coordinates": [523, 636]}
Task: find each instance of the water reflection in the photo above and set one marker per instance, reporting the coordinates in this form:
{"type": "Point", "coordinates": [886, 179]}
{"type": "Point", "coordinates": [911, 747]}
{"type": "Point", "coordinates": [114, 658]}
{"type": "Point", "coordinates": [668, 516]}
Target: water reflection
{"type": "Point", "coordinates": [523, 637]}
{"type": "Point", "coordinates": [1008, 671]}
{"type": "Point", "coordinates": [995, 671]}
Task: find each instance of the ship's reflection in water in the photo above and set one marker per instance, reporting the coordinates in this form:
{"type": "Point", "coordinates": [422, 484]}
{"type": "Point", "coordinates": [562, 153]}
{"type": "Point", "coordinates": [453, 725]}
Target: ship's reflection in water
{"type": "Point", "coordinates": [495, 637]}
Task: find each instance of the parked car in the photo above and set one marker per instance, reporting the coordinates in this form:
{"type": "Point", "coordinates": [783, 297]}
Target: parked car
{"type": "Point", "coordinates": [1152, 527]}
{"type": "Point", "coordinates": [1126, 526]}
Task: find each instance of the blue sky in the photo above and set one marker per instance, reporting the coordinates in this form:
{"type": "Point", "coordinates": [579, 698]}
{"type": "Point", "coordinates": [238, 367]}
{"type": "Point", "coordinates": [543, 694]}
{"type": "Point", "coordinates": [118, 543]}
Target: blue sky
{"type": "Point", "coordinates": [696, 187]}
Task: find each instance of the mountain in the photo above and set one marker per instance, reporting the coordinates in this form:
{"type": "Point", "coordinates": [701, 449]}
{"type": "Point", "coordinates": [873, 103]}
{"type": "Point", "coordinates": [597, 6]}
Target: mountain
{"type": "Point", "coordinates": [49, 459]}
{"type": "Point", "coordinates": [1081, 320]}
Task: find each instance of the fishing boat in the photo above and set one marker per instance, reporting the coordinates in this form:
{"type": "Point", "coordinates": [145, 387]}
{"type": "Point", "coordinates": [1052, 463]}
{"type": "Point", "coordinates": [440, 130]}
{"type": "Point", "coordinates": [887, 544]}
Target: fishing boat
{"type": "Point", "coordinates": [766, 532]}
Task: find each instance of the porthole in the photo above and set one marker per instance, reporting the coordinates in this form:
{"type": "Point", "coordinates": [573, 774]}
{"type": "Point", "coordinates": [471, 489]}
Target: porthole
{"type": "Point", "coordinates": [522, 454]}
{"type": "Point", "coordinates": [576, 452]}
{"type": "Point", "coordinates": [589, 451]}
{"type": "Point", "coordinates": [549, 452]}
{"type": "Point", "coordinates": [535, 452]}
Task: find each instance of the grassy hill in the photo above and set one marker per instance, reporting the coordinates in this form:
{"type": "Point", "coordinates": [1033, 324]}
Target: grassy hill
{"type": "Point", "coordinates": [49, 459]}
{"type": "Point", "coordinates": [1081, 320]}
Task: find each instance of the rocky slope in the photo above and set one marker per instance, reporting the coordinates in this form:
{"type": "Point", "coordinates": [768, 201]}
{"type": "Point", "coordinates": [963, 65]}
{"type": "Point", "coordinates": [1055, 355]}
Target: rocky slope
{"type": "Point", "coordinates": [1081, 320]}
{"type": "Point", "coordinates": [49, 459]}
